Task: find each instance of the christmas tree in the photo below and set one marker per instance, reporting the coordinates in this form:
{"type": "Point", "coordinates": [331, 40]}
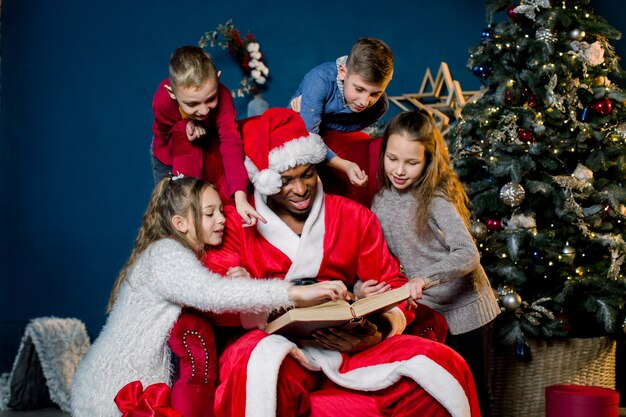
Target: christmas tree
{"type": "Point", "coordinates": [542, 155]}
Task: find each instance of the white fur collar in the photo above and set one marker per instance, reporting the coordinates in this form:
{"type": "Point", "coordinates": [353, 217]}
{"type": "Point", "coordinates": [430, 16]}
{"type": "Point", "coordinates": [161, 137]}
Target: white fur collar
{"type": "Point", "coordinates": [306, 251]}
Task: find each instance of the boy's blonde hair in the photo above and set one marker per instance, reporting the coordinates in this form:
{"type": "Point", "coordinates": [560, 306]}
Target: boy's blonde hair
{"type": "Point", "coordinates": [191, 67]}
{"type": "Point", "coordinates": [438, 176]}
{"type": "Point", "coordinates": [372, 59]}
{"type": "Point", "coordinates": [170, 197]}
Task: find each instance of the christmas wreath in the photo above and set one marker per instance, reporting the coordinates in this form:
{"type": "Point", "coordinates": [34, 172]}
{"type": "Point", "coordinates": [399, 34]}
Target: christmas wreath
{"type": "Point", "coordinates": [246, 50]}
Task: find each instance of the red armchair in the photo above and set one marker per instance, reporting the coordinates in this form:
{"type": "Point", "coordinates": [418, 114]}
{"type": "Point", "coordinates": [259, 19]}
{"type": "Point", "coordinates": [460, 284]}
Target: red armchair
{"type": "Point", "coordinates": [192, 340]}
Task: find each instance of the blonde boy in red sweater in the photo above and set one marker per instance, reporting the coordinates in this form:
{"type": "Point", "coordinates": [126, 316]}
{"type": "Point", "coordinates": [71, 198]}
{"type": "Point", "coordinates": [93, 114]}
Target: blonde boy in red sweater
{"type": "Point", "coordinates": [195, 132]}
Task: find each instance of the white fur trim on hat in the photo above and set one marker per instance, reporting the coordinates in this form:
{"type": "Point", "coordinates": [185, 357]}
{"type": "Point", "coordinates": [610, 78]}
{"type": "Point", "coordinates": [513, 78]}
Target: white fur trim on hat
{"type": "Point", "coordinates": [298, 151]}
{"type": "Point", "coordinates": [309, 149]}
{"type": "Point", "coordinates": [266, 182]}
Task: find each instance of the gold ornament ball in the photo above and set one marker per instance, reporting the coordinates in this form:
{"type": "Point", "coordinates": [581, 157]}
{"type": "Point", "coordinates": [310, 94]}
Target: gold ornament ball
{"type": "Point", "coordinates": [479, 230]}
{"type": "Point", "coordinates": [512, 194]}
{"type": "Point", "coordinates": [602, 80]}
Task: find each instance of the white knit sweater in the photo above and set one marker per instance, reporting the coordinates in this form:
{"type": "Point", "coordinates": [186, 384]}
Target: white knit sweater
{"type": "Point", "coordinates": [133, 343]}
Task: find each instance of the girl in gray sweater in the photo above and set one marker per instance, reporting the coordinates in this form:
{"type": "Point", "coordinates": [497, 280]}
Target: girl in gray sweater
{"type": "Point", "coordinates": [162, 275]}
{"type": "Point", "coordinates": [422, 208]}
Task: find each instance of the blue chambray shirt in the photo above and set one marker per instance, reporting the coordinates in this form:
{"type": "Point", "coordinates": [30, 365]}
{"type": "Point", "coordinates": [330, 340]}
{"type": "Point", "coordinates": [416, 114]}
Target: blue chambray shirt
{"type": "Point", "coordinates": [324, 106]}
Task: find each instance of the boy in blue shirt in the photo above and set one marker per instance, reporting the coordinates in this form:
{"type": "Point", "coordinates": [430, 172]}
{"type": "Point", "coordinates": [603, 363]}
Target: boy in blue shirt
{"type": "Point", "coordinates": [347, 95]}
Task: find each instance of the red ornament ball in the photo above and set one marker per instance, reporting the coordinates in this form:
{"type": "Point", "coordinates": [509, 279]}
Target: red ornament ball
{"type": "Point", "coordinates": [533, 101]}
{"type": "Point", "coordinates": [494, 224]}
{"type": "Point", "coordinates": [513, 15]}
{"type": "Point", "coordinates": [508, 97]}
{"type": "Point", "coordinates": [525, 135]}
{"type": "Point", "coordinates": [564, 322]}
{"type": "Point", "coordinates": [602, 106]}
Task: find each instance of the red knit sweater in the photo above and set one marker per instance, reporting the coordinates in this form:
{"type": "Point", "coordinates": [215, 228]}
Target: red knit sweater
{"type": "Point", "coordinates": [220, 125]}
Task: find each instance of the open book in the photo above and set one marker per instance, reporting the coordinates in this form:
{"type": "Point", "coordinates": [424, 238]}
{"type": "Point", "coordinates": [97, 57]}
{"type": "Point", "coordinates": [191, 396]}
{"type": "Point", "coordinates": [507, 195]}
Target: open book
{"type": "Point", "coordinates": [303, 321]}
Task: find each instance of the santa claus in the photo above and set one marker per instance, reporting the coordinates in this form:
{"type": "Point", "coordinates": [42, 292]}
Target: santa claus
{"type": "Point", "coordinates": [312, 235]}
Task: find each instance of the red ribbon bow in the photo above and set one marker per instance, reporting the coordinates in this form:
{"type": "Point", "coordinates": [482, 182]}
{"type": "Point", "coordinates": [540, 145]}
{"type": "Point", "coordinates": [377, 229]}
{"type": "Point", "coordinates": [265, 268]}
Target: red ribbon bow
{"type": "Point", "coordinates": [133, 401]}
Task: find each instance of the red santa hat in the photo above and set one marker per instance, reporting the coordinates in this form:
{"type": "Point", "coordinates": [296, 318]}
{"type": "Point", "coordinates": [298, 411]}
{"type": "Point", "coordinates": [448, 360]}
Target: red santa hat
{"type": "Point", "coordinates": [275, 142]}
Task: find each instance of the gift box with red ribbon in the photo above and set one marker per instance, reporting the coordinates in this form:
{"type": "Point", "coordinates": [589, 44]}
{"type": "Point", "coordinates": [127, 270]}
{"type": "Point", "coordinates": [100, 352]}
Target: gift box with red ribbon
{"type": "Point", "coordinates": [581, 401]}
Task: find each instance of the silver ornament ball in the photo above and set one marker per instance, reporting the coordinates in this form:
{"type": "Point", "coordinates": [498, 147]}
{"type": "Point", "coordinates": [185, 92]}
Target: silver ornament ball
{"type": "Point", "coordinates": [512, 194]}
{"type": "Point", "coordinates": [569, 251]}
{"type": "Point", "coordinates": [577, 34]}
{"type": "Point", "coordinates": [511, 301]}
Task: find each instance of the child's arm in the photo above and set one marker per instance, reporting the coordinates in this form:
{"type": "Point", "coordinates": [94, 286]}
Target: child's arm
{"type": "Point", "coordinates": [166, 114]}
{"type": "Point", "coordinates": [194, 131]}
{"type": "Point", "coordinates": [356, 175]}
{"type": "Point", "coordinates": [311, 103]}
{"type": "Point", "coordinates": [462, 257]}
{"type": "Point", "coordinates": [248, 214]}
{"type": "Point", "coordinates": [231, 145]}
{"type": "Point", "coordinates": [316, 90]}
{"type": "Point", "coordinates": [176, 275]}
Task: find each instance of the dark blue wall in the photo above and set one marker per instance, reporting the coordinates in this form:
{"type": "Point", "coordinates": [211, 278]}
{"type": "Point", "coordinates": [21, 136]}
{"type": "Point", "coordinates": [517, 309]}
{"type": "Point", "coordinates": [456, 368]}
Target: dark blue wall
{"type": "Point", "coordinates": [76, 85]}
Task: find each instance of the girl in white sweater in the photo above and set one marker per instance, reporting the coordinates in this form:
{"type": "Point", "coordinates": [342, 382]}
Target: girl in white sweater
{"type": "Point", "coordinates": [162, 275]}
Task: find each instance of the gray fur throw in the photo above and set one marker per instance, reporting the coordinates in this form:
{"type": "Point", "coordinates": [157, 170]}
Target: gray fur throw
{"type": "Point", "coordinates": [44, 367]}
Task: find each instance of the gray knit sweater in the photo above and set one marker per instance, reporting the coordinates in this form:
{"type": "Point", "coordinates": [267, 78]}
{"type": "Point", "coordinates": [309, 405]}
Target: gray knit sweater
{"type": "Point", "coordinates": [447, 259]}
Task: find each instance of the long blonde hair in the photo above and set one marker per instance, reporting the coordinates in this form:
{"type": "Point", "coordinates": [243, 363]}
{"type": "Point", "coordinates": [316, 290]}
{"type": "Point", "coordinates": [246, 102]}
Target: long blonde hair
{"type": "Point", "coordinates": [438, 175]}
{"type": "Point", "coordinates": [170, 197]}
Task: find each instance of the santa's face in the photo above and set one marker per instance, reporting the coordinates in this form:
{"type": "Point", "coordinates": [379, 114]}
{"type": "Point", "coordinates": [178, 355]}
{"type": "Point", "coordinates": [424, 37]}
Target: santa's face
{"type": "Point", "coordinates": [297, 192]}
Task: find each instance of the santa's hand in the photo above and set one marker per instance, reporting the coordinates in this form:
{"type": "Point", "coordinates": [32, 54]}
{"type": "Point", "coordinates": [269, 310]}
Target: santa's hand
{"type": "Point", "coordinates": [354, 339]}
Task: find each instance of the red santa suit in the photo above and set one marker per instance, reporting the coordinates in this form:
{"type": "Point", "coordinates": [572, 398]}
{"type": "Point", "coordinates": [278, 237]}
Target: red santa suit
{"type": "Point", "coordinates": [266, 375]}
